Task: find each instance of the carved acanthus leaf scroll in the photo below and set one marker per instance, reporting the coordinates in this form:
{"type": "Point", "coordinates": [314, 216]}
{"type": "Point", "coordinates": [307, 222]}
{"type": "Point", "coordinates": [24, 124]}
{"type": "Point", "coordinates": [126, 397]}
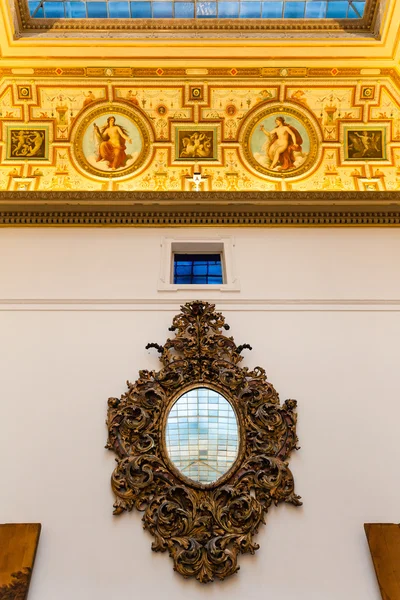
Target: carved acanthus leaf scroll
{"type": "Point", "coordinates": [204, 527]}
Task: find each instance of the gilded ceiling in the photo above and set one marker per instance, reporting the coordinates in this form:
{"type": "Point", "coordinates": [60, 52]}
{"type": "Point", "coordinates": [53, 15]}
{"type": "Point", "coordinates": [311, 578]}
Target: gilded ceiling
{"type": "Point", "coordinates": [196, 42]}
{"type": "Point", "coordinates": [208, 100]}
{"type": "Point", "coordinates": [245, 129]}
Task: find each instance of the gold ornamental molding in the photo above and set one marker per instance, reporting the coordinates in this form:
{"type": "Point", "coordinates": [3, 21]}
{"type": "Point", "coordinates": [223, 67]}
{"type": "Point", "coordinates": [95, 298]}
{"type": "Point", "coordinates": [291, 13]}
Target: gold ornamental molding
{"type": "Point", "coordinates": [204, 486]}
{"type": "Point", "coordinates": [191, 209]}
{"type": "Point", "coordinates": [192, 27]}
{"type": "Point", "coordinates": [228, 72]}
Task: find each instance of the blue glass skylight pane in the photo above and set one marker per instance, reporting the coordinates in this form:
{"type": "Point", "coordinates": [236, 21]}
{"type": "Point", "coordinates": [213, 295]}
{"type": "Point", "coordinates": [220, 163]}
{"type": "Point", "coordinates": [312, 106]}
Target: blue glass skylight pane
{"type": "Point", "coordinates": [272, 10]}
{"type": "Point", "coordinates": [360, 7]}
{"type": "Point", "coordinates": [315, 10]}
{"type": "Point", "coordinates": [250, 10]}
{"type": "Point", "coordinates": [75, 10]}
{"type": "Point", "coordinates": [141, 10]}
{"type": "Point", "coordinates": [206, 9]}
{"type": "Point", "coordinates": [351, 13]}
{"type": "Point", "coordinates": [356, 10]}
{"type": "Point", "coordinates": [54, 10]}
{"type": "Point", "coordinates": [294, 10]}
{"type": "Point", "coordinates": [163, 10]}
{"type": "Point", "coordinates": [228, 10]}
{"type": "Point", "coordinates": [32, 8]}
{"type": "Point", "coordinates": [184, 10]}
{"type": "Point", "coordinates": [119, 10]}
{"type": "Point", "coordinates": [97, 10]}
{"type": "Point", "coordinates": [337, 10]}
{"type": "Point", "coordinates": [199, 9]}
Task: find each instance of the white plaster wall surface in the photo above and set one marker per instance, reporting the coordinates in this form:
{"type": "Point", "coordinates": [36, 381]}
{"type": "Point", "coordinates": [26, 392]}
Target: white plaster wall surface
{"type": "Point", "coordinates": [60, 363]}
{"type": "Point", "coordinates": [271, 263]}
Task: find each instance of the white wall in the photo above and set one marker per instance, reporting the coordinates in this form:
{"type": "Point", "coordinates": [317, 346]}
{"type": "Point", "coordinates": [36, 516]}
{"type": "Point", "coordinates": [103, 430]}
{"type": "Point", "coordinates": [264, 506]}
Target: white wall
{"type": "Point", "coordinates": [321, 310]}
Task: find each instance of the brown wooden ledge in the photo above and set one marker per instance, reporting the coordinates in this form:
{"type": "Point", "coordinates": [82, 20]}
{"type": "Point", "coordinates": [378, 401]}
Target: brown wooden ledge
{"type": "Point", "coordinates": [152, 209]}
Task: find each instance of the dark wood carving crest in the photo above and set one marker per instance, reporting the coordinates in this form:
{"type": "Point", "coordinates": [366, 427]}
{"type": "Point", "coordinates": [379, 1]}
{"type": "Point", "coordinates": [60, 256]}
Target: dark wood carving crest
{"type": "Point", "coordinates": [203, 527]}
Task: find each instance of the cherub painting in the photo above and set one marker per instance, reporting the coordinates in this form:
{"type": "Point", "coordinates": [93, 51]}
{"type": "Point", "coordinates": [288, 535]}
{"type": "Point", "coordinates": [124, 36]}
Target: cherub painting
{"type": "Point", "coordinates": [27, 143]}
{"type": "Point", "coordinates": [280, 143]}
{"type": "Point", "coordinates": [365, 144]}
{"type": "Point", "coordinates": [198, 144]}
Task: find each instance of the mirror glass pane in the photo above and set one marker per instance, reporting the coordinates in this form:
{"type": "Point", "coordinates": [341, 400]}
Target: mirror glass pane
{"type": "Point", "coordinates": [202, 435]}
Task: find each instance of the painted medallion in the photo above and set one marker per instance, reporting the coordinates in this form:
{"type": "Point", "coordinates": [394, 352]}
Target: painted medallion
{"type": "Point", "coordinates": [281, 142]}
{"type": "Point", "coordinates": [112, 141]}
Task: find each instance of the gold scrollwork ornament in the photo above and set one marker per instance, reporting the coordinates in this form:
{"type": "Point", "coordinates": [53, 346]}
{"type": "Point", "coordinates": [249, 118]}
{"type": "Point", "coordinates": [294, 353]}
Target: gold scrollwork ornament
{"type": "Point", "coordinates": [204, 527]}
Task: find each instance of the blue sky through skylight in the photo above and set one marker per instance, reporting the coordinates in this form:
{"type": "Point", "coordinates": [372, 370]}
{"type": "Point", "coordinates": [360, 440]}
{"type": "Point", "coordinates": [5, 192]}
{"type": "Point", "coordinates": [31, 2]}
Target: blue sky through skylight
{"type": "Point", "coordinates": [200, 9]}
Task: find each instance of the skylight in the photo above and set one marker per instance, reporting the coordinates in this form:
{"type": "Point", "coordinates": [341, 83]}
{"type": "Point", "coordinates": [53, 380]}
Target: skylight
{"type": "Point", "coordinates": [197, 9]}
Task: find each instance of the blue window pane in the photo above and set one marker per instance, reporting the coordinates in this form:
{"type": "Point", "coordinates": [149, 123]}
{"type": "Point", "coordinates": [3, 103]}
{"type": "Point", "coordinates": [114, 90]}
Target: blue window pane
{"type": "Point", "coordinates": [183, 271]}
{"type": "Point", "coordinates": [119, 10]}
{"type": "Point", "coordinates": [294, 10]}
{"type": "Point", "coordinates": [214, 269]}
{"type": "Point", "coordinates": [75, 10]}
{"type": "Point", "coordinates": [163, 10]}
{"type": "Point", "coordinates": [272, 10]}
{"type": "Point", "coordinates": [184, 10]}
{"type": "Point", "coordinates": [206, 9]}
{"type": "Point", "coordinates": [197, 268]}
{"type": "Point", "coordinates": [228, 10]}
{"type": "Point", "coordinates": [32, 8]}
{"type": "Point", "coordinates": [97, 10]}
{"type": "Point", "coordinates": [250, 10]}
{"type": "Point", "coordinates": [315, 10]}
{"type": "Point", "coordinates": [54, 10]}
{"type": "Point", "coordinates": [337, 10]}
{"type": "Point", "coordinates": [141, 10]}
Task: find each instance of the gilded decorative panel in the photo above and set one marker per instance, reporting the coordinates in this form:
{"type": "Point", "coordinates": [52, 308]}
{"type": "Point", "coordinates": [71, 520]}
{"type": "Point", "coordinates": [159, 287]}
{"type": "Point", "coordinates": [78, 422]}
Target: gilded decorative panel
{"type": "Point", "coordinates": [338, 130]}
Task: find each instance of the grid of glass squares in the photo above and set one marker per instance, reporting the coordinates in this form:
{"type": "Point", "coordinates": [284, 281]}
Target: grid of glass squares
{"type": "Point", "coordinates": [197, 268]}
{"type": "Point", "coordinates": [202, 435]}
{"type": "Point", "coordinates": [200, 9]}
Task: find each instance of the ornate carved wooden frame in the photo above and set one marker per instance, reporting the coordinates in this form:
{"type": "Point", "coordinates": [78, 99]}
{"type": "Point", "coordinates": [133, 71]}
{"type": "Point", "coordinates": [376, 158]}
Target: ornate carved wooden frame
{"type": "Point", "coordinates": [203, 527]}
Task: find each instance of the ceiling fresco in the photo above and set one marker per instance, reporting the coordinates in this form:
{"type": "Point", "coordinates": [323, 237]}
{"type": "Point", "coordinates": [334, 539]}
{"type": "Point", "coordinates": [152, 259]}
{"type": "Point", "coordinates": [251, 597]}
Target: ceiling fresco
{"type": "Point", "coordinates": [325, 130]}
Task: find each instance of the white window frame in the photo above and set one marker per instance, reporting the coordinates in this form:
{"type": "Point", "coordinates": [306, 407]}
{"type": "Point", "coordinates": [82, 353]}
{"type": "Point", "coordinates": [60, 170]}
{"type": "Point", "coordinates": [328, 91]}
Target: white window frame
{"type": "Point", "coordinates": [212, 245]}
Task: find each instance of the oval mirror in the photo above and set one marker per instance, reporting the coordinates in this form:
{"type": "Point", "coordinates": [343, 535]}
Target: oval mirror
{"type": "Point", "coordinates": [202, 435]}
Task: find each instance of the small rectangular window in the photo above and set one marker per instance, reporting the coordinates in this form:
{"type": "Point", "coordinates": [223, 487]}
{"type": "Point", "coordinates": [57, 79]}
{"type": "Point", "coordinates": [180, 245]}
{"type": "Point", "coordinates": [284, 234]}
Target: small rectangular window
{"type": "Point", "coordinates": [197, 269]}
{"type": "Point", "coordinates": [198, 264]}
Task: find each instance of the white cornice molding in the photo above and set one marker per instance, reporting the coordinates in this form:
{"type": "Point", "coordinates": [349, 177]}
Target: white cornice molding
{"type": "Point", "coordinates": [225, 304]}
